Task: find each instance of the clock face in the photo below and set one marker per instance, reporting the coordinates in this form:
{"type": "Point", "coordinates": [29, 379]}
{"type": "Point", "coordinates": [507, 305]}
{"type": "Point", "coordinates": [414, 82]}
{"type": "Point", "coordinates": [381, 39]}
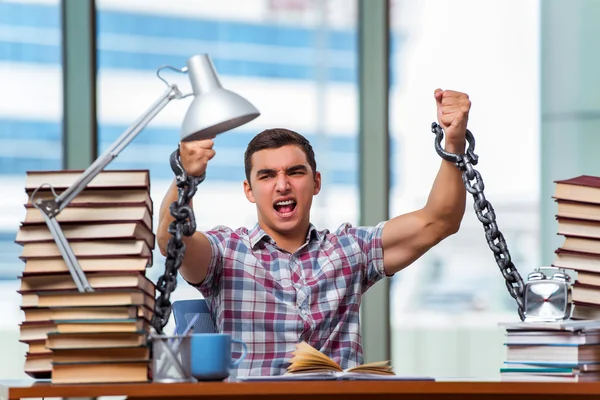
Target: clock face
{"type": "Point", "coordinates": [546, 300]}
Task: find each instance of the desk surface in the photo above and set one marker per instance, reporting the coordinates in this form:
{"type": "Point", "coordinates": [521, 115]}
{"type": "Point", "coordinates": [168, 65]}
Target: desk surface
{"type": "Point", "coordinates": [311, 390]}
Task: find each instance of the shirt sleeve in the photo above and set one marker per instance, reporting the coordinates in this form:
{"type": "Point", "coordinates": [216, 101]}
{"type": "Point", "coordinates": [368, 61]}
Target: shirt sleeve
{"type": "Point", "coordinates": [217, 237]}
{"type": "Point", "coordinates": [369, 241]}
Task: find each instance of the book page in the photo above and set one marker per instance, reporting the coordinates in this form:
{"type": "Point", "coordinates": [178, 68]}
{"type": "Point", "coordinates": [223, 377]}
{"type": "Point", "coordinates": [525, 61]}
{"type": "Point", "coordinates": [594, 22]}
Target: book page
{"type": "Point", "coordinates": [308, 359]}
{"type": "Point", "coordinates": [379, 368]}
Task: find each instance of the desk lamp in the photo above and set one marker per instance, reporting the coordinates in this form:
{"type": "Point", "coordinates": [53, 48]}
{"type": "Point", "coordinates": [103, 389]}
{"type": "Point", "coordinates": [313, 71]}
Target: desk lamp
{"type": "Point", "coordinates": [214, 110]}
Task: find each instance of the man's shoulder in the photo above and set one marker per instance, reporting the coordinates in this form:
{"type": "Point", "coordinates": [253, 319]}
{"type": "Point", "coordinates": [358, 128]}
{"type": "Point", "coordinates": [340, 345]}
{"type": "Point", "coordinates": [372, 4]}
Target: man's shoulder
{"type": "Point", "coordinates": [344, 230]}
{"type": "Point", "coordinates": [224, 228]}
{"type": "Point", "coordinates": [226, 232]}
{"type": "Point", "coordinates": [347, 228]}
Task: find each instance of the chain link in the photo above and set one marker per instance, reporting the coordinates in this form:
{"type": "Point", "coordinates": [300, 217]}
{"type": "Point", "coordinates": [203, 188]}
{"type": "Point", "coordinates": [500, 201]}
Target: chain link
{"type": "Point", "coordinates": [183, 225]}
{"type": "Point", "coordinates": [485, 213]}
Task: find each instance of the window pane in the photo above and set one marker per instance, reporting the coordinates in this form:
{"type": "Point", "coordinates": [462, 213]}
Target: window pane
{"type": "Point", "coordinates": [30, 139]}
{"type": "Point", "coordinates": [446, 306]}
{"type": "Point", "coordinates": [295, 60]}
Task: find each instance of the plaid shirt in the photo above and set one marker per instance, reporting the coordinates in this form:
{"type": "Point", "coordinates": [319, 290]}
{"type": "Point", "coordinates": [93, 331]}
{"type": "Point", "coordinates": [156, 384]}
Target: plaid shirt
{"type": "Point", "coordinates": [271, 299]}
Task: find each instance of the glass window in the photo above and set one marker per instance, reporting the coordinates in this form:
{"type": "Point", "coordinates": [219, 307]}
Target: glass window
{"type": "Point", "coordinates": [446, 306]}
{"type": "Point", "coordinates": [294, 59]}
{"type": "Point", "coordinates": [30, 139]}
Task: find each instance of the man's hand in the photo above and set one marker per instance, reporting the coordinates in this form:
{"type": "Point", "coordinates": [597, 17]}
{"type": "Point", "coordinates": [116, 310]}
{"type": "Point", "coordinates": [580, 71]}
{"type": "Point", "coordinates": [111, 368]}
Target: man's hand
{"type": "Point", "coordinates": [195, 155]}
{"type": "Point", "coordinates": [453, 115]}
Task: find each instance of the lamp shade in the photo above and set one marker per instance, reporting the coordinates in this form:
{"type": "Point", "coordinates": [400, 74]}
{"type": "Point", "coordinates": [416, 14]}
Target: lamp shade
{"type": "Point", "coordinates": [214, 109]}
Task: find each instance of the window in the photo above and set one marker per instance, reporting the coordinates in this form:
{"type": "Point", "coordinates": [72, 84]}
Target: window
{"type": "Point", "coordinates": [294, 59]}
{"type": "Point", "coordinates": [30, 139]}
{"type": "Point", "coordinates": [445, 307]}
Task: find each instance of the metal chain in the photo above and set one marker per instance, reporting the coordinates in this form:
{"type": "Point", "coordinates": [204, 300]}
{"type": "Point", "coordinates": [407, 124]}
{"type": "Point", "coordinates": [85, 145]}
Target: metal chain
{"type": "Point", "coordinates": [183, 225]}
{"type": "Point", "coordinates": [485, 213]}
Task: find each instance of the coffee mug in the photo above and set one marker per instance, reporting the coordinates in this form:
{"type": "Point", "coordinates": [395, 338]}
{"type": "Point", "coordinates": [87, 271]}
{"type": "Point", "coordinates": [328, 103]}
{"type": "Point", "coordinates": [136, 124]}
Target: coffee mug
{"type": "Point", "coordinates": [211, 355]}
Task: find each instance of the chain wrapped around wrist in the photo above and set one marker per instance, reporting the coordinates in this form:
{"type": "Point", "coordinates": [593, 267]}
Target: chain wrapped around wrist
{"type": "Point", "coordinates": [485, 213]}
{"type": "Point", "coordinates": [183, 225]}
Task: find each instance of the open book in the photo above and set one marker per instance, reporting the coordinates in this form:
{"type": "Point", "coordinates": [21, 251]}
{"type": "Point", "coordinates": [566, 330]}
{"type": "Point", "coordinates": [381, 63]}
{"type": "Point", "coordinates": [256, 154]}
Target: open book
{"type": "Point", "coordinates": [307, 359]}
{"type": "Point", "coordinates": [308, 364]}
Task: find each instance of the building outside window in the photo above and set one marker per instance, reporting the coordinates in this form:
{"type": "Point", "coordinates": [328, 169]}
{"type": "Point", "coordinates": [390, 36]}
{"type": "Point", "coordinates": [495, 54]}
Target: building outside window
{"type": "Point", "coordinates": [445, 307]}
{"type": "Point", "coordinates": [30, 139]}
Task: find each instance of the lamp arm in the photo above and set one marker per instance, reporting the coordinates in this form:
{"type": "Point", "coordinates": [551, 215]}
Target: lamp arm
{"type": "Point", "coordinates": [115, 148]}
{"type": "Point", "coordinates": [50, 208]}
{"type": "Point", "coordinates": [67, 254]}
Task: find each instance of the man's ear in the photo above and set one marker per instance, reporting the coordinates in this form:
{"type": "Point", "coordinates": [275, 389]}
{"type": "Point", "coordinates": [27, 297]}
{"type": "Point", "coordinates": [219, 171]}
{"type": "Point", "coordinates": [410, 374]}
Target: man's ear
{"type": "Point", "coordinates": [248, 192]}
{"type": "Point", "coordinates": [317, 183]}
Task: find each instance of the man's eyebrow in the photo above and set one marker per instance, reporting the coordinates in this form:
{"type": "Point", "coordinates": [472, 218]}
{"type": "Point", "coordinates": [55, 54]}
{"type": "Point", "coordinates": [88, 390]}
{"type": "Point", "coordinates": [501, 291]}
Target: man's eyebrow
{"type": "Point", "coordinates": [295, 168]}
{"type": "Point", "coordinates": [265, 171]}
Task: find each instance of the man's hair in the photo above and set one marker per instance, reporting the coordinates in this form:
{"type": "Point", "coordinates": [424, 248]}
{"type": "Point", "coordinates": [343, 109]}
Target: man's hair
{"type": "Point", "coordinates": [274, 139]}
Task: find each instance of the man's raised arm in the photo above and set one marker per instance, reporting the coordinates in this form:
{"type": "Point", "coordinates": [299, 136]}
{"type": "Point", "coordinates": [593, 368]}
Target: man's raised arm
{"type": "Point", "coordinates": [407, 237]}
{"type": "Point", "coordinates": [194, 158]}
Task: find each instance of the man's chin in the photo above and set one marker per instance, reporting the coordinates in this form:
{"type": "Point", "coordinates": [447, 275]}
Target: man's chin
{"type": "Point", "coordinates": [287, 225]}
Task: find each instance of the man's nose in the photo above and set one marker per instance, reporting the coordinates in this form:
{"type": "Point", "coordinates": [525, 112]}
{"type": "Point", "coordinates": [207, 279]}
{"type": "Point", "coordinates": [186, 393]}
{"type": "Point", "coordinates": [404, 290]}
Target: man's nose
{"type": "Point", "coordinates": [282, 183]}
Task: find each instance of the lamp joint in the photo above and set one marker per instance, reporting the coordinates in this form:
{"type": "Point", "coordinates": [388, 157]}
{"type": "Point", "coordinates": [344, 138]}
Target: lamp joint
{"type": "Point", "coordinates": [49, 207]}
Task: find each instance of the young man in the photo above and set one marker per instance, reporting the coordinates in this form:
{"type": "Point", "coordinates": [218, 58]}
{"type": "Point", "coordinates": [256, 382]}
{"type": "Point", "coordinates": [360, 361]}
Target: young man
{"type": "Point", "coordinates": [284, 281]}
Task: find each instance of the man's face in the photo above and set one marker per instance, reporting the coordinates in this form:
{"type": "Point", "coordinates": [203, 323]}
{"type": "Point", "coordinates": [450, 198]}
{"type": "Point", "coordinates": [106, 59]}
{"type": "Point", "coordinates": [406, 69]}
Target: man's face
{"type": "Point", "coordinates": [282, 185]}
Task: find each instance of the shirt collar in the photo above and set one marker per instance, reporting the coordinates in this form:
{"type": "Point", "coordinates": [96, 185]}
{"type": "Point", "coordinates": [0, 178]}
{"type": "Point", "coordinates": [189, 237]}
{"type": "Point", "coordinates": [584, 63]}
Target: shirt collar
{"type": "Point", "coordinates": [257, 234]}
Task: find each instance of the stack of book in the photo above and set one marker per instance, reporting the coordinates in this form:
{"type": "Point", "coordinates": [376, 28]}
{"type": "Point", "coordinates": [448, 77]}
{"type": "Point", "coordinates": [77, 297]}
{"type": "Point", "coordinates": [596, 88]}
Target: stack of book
{"type": "Point", "coordinates": [565, 351]}
{"type": "Point", "coordinates": [578, 215]}
{"type": "Point", "coordinates": [99, 336]}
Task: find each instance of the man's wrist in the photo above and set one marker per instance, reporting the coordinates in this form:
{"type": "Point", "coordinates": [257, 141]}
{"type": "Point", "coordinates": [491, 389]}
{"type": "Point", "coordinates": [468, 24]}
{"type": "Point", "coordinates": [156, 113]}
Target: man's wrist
{"type": "Point", "coordinates": [456, 147]}
{"type": "Point", "coordinates": [200, 179]}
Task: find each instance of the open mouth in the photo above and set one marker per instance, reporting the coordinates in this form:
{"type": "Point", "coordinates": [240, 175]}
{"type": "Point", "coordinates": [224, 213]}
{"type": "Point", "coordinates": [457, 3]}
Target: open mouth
{"type": "Point", "coordinates": [285, 207]}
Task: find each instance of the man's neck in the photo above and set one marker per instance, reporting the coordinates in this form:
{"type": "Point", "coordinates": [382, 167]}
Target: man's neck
{"type": "Point", "coordinates": [289, 242]}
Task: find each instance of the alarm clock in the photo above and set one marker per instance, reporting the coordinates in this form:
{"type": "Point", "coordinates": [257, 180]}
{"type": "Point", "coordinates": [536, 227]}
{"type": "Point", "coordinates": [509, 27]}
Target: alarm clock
{"type": "Point", "coordinates": [547, 295]}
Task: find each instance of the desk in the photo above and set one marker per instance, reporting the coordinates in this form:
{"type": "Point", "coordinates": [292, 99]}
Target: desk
{"type": "Point", "coordinates": [350, 390]}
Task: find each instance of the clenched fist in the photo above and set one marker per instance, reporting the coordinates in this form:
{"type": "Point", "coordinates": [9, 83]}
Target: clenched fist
{"type": "Point", "coordinates": [453, 115]}
{"type": "Point", "coordinates": [195, 155]}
